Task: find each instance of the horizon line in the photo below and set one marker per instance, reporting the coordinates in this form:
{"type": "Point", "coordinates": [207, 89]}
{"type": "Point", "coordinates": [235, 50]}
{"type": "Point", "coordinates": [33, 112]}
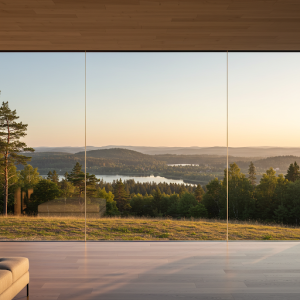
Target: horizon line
{"type": "Point", "coordinates": [169, 146]}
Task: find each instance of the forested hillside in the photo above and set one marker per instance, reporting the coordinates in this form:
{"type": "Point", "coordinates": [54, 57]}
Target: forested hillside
{"type": "Point", "coordinates": [204, 159]}
{"type": "Point", "coordinates": [123, 156]}
{"type": "Point", "coordinates": [281, 162]}
{"type": "Point", "coordinates": [199, 169]}
{"type": "Point", "coordinates": [271, 199]}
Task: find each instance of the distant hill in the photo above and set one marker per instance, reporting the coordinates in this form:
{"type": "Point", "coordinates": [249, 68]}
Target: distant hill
{"type": "Point", "coordinates": [233, 151]}
{"type": "Point", "coordinates": [52, 160]}
{"type": "Point", "coordinates": [47, 154]}
{"type": "Point", "coordinates": [124, 156]}
{"type": "Point", "coordinates": [201, 159]}
{"type": "Point", "coordinates": [281, 162]}
{"type": "Point", "coordinates": [118, 153]}
{"type": "Point", "coordinates": [64, 149]}
{"type": "Point", "coordinates": [124, 161]}
{"type": "Point", "coordinates": [105, 159]}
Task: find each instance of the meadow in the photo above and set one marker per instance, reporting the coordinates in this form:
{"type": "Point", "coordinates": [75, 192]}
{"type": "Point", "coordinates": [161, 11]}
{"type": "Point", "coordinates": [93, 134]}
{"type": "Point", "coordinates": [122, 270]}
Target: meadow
{"type": "Point", "coordinates": [38, 228]}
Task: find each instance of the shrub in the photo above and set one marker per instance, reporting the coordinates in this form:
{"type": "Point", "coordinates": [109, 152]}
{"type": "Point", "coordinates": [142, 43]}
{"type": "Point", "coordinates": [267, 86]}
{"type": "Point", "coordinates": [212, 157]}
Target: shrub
{"type": "Point", "coordinates": [45, 190]}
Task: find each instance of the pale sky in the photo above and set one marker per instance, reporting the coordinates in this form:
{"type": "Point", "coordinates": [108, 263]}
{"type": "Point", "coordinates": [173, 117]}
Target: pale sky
{"type": "Point", "coordinates": [154, 99]}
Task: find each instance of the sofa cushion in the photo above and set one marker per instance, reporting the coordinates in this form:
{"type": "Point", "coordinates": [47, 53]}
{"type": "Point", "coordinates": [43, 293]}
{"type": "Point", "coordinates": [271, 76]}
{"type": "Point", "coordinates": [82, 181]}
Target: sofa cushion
{"type": "Point", "coordinates": [17, 265]}
{"type": "Point", "coordinates": [15, 288]}
{"type": "Point", "coordinates": [5, 280]}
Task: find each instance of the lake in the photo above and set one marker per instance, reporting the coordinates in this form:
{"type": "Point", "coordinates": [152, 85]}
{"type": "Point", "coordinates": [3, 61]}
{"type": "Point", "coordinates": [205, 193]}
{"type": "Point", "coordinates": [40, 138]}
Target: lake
{"type": "Point", "coordinates": [142, 179]}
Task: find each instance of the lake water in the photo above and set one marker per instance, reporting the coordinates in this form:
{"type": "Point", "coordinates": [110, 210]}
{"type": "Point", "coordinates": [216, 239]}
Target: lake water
{"type": "Point", "coordinates": [142, 179]}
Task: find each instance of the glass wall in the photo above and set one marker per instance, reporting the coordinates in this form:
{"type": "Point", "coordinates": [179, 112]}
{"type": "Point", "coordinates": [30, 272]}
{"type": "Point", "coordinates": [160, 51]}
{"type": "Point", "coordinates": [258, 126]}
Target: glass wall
{"type": "Point", "coordinates": [46, 91]}
{"type": "Point", "coordinates": [156, 133]}
{"type": "Point", "coordinates": [163, 116]}
{"type": "Point", "coordinates": [263, 124]}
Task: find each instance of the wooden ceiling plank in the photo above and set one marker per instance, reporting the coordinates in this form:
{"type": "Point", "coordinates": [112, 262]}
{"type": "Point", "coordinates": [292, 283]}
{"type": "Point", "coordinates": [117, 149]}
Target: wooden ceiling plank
{"type": "Point", "coordinates": [156, 24]}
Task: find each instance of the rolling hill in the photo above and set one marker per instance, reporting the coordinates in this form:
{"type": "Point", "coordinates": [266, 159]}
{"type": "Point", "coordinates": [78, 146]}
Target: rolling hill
{"type": "Point", "coordinates": [123, 156]}
{"type": "Point", "coordinates": [233, 151]}
{"type": "Point", "coordinates": [115, 153]}
{"type": "Point", "coordinates": [124, 161]}
{"type": "Point", "coordinates": [96, 159]}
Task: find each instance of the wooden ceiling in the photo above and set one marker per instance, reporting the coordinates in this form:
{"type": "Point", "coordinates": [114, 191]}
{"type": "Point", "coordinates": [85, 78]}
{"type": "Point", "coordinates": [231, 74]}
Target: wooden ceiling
{"type": "Point", "coordinates": [56, 25]}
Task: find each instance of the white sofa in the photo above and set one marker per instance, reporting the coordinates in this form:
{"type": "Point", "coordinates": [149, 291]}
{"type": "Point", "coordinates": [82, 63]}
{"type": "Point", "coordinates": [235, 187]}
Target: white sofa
{"type": "Point", "coordinates": [14, 276]}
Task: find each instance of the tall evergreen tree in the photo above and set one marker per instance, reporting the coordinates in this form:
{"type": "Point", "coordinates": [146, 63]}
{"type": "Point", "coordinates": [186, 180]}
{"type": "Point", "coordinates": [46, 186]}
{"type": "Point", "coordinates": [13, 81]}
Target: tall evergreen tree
{"type": "Point", "coordinates": [199, 192]}
{"type": "Point", "coordinates": [293, 172]}
{"type": "Point", "coordinates": [10, 146]}
{"type": "Point", "coordinates": [157, 200]}
{"type": "Point", "coordinates": [182, 190]}
{"type": "Point", "coordinates": [215, 199]}
{"type": "Point", "coordinates": [53, 176]}
{"type": "Point", "coordinates": [187, 201]}
{"type": "Point", "coordinates": [49, 175]}
{"type": "Point", "coordinates": [265, 195]}
{"type": "Point", "coordinates": [121, 197]}
{"type": "Point", "coordinates": [241, 202]}
{"type": "Point", "coordinates": [252, 173]}
{"type": "Point", "coordinates": [13, 183]}
{"type": "Point", "coordinates": [77, 178]}
{"type": "Point", "coordinates": [67, 188]}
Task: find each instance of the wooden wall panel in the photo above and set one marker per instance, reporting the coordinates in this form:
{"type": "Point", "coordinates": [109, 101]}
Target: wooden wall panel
{"type": "Point", "coordinates": [150, 25]}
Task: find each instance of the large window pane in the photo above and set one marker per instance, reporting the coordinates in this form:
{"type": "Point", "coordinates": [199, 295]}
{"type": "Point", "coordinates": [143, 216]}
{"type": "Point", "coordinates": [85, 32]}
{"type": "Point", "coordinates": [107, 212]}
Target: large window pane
{"type": "Point", "coordinates": [171, 109]}
{"type": "Point", "coordinates": [47, 92]}
{"type": "Point", "coordinates": [263, 127]}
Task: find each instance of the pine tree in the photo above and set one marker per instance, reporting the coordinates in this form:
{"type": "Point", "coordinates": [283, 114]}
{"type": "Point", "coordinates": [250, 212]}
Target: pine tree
{"type": "Point", "coordinates": [252, 173]}
{"type": "Point", "coordinates": [53, 176]}
{"type": "Point", "coordinates": [293, 172]}
{"type": "Point", "coordinates": [121, 197]}
{"type": "Point", "coordinates": [182, 190]}
{"type": "Point", "coordinates": [199, 192]}
{"type": "Point", "coordinates": [10, 146]}
{"type": "Point", "coordinates": [67, 188]}
{"type": "Point", "coordinates": [157, 200]}
{"type": "Point", "coordinates": [49, 175]}
{"type": "Point", "coordinates": [169, 192]}
{"type": "Point", "coordinates": [77, 178]}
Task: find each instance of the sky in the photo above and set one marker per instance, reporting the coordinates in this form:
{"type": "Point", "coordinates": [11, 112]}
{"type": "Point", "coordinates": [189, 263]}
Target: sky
{"type": "Point", "coordinates": [154, 99]}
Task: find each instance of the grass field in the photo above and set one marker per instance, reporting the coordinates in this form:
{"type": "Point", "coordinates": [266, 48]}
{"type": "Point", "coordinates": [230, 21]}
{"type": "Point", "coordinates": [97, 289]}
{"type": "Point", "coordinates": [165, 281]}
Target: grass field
{"type": "Point", "coordinates": [36, 228]}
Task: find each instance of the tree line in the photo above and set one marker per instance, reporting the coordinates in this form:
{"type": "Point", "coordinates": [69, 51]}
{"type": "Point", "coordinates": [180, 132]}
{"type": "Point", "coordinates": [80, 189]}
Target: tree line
{"type": "Point", "coordinates": [273, 199]}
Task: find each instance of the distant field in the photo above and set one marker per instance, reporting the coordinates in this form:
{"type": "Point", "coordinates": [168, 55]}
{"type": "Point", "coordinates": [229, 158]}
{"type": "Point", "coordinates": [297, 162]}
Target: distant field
{"type": "Point", "coordinates": [35, 228]}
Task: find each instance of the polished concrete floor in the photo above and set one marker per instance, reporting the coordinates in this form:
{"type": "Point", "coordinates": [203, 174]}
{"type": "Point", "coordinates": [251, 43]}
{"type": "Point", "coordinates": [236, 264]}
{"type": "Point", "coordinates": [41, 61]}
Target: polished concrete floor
{"type": "Point", "coordinates": [160, 270]}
